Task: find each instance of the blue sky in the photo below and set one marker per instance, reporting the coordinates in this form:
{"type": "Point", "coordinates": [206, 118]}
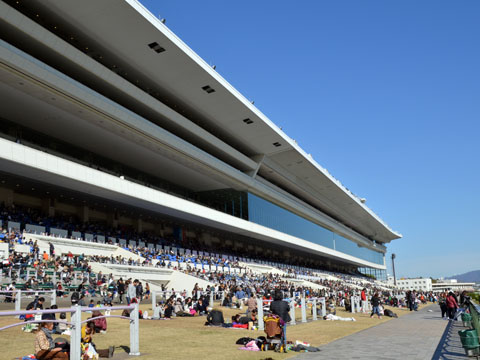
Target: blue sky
{"type": "Point", "coordinates": [384, 94]}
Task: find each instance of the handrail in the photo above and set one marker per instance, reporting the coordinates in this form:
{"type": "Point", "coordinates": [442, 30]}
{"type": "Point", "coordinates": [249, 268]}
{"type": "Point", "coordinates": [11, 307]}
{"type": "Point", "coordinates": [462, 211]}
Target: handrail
{"type": "Point", "coordinates": [76, 323]}
{"type": "Point", "coordinates": [475, 313]}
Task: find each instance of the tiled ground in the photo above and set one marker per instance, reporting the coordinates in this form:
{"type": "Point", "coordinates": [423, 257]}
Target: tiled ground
{"type": "Point", "coordinates": [419, 335]}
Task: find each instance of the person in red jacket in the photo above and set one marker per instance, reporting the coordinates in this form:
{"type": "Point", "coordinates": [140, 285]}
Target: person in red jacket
{"type": "Point", "coordinates": [451, 305]}
{"type": "Point", "coordinates": [363, 296]}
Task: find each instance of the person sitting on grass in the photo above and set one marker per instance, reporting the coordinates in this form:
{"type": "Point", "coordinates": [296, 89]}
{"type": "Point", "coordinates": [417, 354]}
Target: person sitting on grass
{"type": "Point", "coordinates": [87, 332]}
{"type": "Point", "coordinates": [100, 324]}
{"type": "Point", "coordinates": [45, 346]}
{"type": "Point", "coordinates": [201, 308]}
{"type": "Point", "coordinates": [331, 306]}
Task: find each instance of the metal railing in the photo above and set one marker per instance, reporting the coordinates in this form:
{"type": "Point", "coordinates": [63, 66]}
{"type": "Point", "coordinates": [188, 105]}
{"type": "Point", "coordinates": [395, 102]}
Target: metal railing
{"type": "Point", "coordinates": [475, 313]}
{"type": "Point", "coordinates": [76, 324]}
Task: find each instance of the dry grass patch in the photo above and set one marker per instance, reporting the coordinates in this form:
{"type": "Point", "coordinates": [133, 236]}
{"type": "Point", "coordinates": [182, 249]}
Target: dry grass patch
{"type": "Point", "coordinates": [186, 338]}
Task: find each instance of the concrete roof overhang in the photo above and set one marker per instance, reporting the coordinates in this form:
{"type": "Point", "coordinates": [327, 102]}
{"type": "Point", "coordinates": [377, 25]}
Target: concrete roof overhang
{"type": "Point", "coordinates": [179, 74]}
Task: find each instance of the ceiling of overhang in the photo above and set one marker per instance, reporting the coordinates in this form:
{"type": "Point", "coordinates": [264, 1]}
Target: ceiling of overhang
{"type": "Point", "coordinates": [179, 77]}
{"type": "Point", "coordinates": [174, 74]}
{"type": "Point", "coordinates": [37, 108]}
{"type": "Point", "coordinates": [290, 172]}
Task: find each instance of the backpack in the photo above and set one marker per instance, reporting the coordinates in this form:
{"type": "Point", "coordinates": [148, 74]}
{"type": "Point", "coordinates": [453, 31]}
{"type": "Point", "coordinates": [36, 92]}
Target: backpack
{"type": "Point", "coordinates": [215, 317]}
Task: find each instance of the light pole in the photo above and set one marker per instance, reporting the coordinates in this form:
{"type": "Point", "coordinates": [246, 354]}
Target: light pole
{"type": "Point", "coordinates": [393, 268]}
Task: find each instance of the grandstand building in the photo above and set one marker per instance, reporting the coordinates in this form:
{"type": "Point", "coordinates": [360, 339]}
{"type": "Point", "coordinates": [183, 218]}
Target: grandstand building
{"type": "Point", "coordinates": [107, 117]}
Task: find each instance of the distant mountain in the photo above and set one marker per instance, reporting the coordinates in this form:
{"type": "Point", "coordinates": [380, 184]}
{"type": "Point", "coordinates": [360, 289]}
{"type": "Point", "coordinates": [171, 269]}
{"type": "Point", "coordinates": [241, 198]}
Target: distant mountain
{"type": "Point", "coordinates": [472, 276]}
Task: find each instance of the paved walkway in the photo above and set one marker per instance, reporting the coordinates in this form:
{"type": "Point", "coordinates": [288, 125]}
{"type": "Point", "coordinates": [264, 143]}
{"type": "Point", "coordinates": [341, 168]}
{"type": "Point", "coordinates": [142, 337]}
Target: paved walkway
{"type": "Point", "coordinates": [418, 335]}
{"type": "Point", "coordinates": [450, 346]}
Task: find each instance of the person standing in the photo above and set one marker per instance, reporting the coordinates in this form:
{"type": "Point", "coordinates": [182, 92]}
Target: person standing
{"type": "Point", "coordinates": [451, 305]}
{"type": "Point", "coordinates": [121, 290]}
{"type": "Point", "coordinates": [281, 308]}
{"type": "Point", "coordinates": [375, 306]}
{"type": "Point", "coordinates": [132, 291]}
{"type": "Point", "coordinates": [363, 296]}
{"type": "Point", "coordinates": [442, 301]}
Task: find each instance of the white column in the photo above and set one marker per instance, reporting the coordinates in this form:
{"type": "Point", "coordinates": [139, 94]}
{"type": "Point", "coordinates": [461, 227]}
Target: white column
{"type": "Point", "coordinates": [314, 309]}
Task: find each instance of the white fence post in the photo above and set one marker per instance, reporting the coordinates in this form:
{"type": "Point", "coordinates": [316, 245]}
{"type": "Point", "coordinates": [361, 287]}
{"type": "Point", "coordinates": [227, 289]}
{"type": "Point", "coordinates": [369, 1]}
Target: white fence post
{"type": "Point", "coordinates": [53, 298]}
{"type": "Point", "coordinates": [222, 297]}
{"type": "Point", "coordinates": [292, 312]}
{"type": "Point", "coordinates": [352, 304]}
{"type": "Point", "coordinates": [211, 298]}
{"type": "Point", "coordinates": [324, 306]}
{"type": "Point", "coordinates": [76, 334]}
{"type": "Point", "coordinates": [134, 332]}
{"type": "Point", "coordinates": [154, 299]}
{"type": "Point", "coordinates": [18, 300]}
{"type": "Point", "coordinates": [304, 309]}
{"type": "Point", "coordinates": [261, 325]}
{"type": "Point", "coordinates": [314, 309]}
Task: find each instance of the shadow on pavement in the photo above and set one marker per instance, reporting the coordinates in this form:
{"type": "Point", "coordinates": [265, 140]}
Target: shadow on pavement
{"type": "Point", "coordinates": [450, 347]}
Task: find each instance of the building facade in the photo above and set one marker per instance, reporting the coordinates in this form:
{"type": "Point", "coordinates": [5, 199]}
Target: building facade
{"type": "Point", "coordinates": [419, 284]}
{"type": "Point", "coordinates": [107, 115]}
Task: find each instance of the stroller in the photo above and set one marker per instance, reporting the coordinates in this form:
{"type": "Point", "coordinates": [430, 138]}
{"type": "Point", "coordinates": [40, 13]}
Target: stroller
{"type": "Point", "coordinates": [275, 335]}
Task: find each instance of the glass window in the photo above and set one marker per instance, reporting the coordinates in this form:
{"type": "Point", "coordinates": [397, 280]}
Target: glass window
{"type": "Point", "coordinates": [265, 213]}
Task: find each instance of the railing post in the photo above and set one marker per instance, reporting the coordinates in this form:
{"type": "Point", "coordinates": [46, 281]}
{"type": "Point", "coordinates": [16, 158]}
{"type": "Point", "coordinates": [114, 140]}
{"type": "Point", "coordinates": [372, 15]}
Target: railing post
{"type": "Point", "coordinates": [54, 278]}
{"type": "Point", "coordinates": [154, 299]}
{"type": "Point", "coordinates": [261, 325]}
{"type": "Point", "coordinates": [53, 298]}
{"type": "Point", "coordinates": [134, 332]}
{"type": "Point", "coordinates": [211, 298]}
{"type": "Point", "coordinates": [324, 306]}
{"type": "Point", "coordinates": [352, 304]}
{"type": "Point", "coordinates": [18, 300]}
{"type": "Point", "coordinates": [76, 334]}
{"type": "Point", "coordinates": [222, 298]}
{"type": "Point", "coordinates": [292, 312]}
{"type": "Point", "coordinates": [314, 309]}
{"type": "Point", "coordinates": [304, 309]}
